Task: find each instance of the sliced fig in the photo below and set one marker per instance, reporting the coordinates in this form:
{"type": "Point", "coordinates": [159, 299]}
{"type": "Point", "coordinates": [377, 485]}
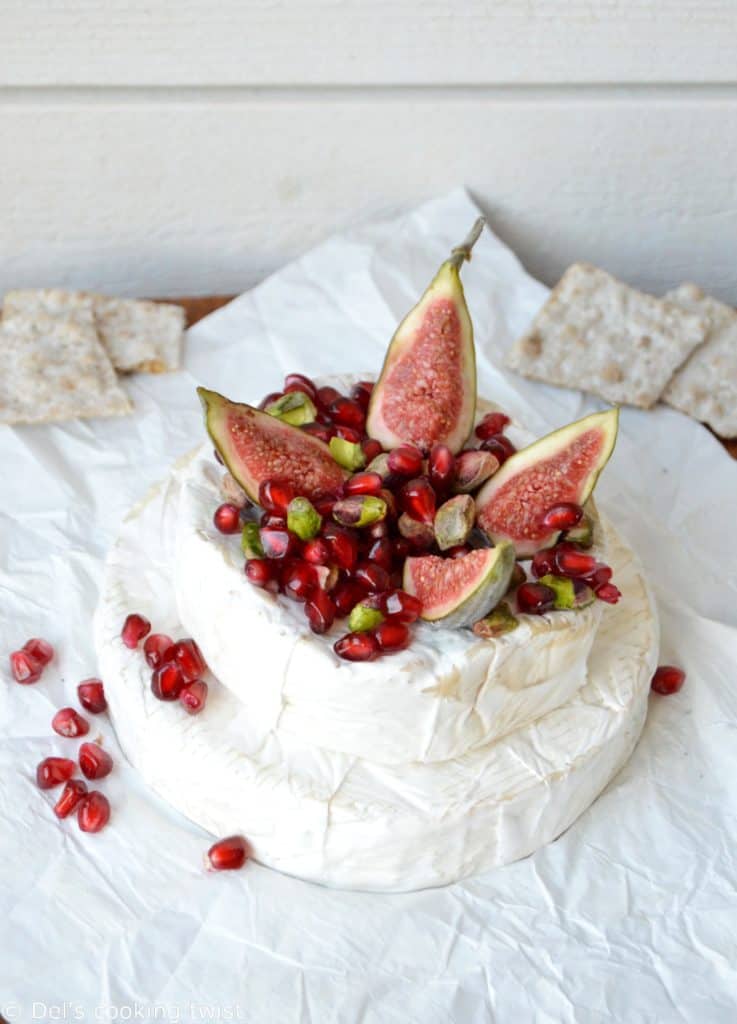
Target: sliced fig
{"type": "Point", "coordinates": [456, 592]}
{"type": "Point", "coordinates": [562, 467]}
{"type": "Point", "coordinates": [496, 623]}
{"type": "Point", "coordinates": [257, 447]}
{"type": "Point", "coordinates": [454, 521]}
{"type": "Point", "coordinates": [426, 393]}
{"type": "Point", "coordinates": [474, 468]}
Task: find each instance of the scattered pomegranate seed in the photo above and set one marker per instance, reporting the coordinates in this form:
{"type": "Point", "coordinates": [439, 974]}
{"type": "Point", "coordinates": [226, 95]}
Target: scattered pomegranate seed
{"type": "Point", "coordinates": [574, 563]}
{"type": "Point", "coordinates": [535, 598]}
{"type": "Point", "coordinates": [68, 722]}
{"type": "Point", "coordinates": [363, 483]}
{"type": "Point", "coordinates": [227, 518]}
{"type": "Point", "coordinates": [372, 577]}
{"type": "Point", "coordinates": [349, 434]}
{"type": "Point", "coordinates": [401, 606]}
{"type": "Point", "coordinates": [52, 771]}
{"type": "Point", "coordinates": [92, 696]}
{"type": "Point", "coordinates": [40, 650]}
{"type": "Point", "coordinates": [135, 628]}
{"type": "Point", "coordinates": [361, 393]}
{"type": "Point", "coordinates": [25, 669]}
{"type": "Point", "coordinates": [357, 647]}
{"type": "Point", "coordinates": [609, 593]}
{"type": "Point", "coordinates": [371, 448]}
{"type": "Point", "coordinates": [406, 460]}
{"type": "Point", "coordinates": [347, 413]}
{"type": "Point", "coordinates": [668, 679]}
{"type": "Point", "coordinates": [94, 812]}
{"type": "Point", "coordinates": [543, 562]}
{"type": "Point", "coordinates": [95, 762]}
{"type": "Point", "coordinates": [601, 576]}
{"type": "Point", "coordinates": [382, 552]}
{"type": "Point", "coordinates": [275, 495]}
{"type": "Point", "coordinates": [441, 467]}
{"type": "Point", "coordinates": [563, 516]}
{"type": "Point", "coordinates": [260, 571]}
{"type": "Point", "coordinates": [166, 682]}
{"type": "Point", "coordinates": [343, 545]}
{"type": "Point", "coordinates": [417, 499]}
{"type": "Point", "coordinates": [277, 543]}
{"type": "Point", "coordinates": [72, 793]}
{"type": "Point", "coordinates": [326, 396]}
{"type": "Point", "coordinates": [298, 580]}
{"type": "Point", "coordinates": [493, 423]}
{"type": "Point", "coordinates": [499, 446]}
{"type": "Point", "coordinates": [193, 697]}
{"type": "Point", "coordinates": [227, 854]}
{"type": "Point", "coordinates": [346, 595]}
{"type": "Point", "coordinates": [155, 647]}
{"type": "Point", "coordinates": [392, 636]}
{"type": "Point", "coordinates": [320, 611]}
{"type": "Point", "coordinates": [273, 396]}
{"type": "Point", "coordinates": [319, 430]}
{"type": "Point", "coordinates": [298, 382]}
{"type": "Point", "coordinates": [189, 659]}
{"type": "Point", "coordinates": [316, 551]}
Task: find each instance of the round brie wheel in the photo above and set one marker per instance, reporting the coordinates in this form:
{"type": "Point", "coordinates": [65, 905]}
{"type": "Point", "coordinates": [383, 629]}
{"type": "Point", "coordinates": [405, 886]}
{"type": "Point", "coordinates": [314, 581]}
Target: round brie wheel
{"type": "Point", "coordinates": [349, 822]}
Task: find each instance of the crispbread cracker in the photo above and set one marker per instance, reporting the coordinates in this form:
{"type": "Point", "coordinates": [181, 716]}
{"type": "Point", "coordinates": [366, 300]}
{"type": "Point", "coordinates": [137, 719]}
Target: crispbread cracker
{"type": "Point", "coordinates": [139, 336]}
{"type": "Point", "coordinates": [598, 334]}
{"type": "Point", "coordinates": [705, 387]}
{"type": "Point", "coordinates": [53, 368]}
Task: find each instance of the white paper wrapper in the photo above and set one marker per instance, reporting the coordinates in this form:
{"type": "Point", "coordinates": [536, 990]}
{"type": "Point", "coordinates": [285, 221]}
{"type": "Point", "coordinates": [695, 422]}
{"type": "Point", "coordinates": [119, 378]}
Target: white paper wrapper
{"type": "Point", "coordinates": [630, 916]}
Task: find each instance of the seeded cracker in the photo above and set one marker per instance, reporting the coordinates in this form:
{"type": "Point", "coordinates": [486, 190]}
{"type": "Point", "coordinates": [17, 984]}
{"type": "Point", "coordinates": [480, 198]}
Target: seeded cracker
{"type": "Point", "coordinates": [140, 336]}
{"type": "Point", "coordinates": [705, 387]}
{"type": "Point", "coordinates": [598, 334]}
{"type": "Point", "coordinates": [55, 369]}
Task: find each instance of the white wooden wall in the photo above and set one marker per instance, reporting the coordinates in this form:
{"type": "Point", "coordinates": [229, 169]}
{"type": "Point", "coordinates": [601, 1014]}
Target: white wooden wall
{"type": "Point", "coordinates": [192, 146]}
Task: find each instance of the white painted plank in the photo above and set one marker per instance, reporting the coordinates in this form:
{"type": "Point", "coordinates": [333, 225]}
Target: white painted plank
{"type": "Point", "coordinates": [209, 198]}
{"type": "Point", "coordinates": [318, 42]}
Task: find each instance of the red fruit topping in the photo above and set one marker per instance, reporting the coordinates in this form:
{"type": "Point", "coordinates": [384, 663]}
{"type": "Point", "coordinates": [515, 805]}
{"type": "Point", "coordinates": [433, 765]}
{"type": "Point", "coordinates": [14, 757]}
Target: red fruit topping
{"type": "Point", "coordinates": [668, 679]}
{"type": "Point", "coordinates": [543, 562]}
{"type": "Point", "coordinates": [349, 434]}
{"type": "Point", "coordinates": [273, 396]}
{"type": "Point", "coordinates": [382, 552]}
{"type": "Point", "coordinates": [228, 854]}
{"type": "Point", "coordinates": [378, 530]}
{"type": "Point", "coordinates": [319, 430]}
{"type": "Point", "coordinates": [316, 551]}
{"type": "Point", "coordinates": [361, 393]}
{"type": "Point", "coordinates": [273, 520]}
{"type": "Point", "coordinates": [363, 483]}
{"type": "Point", "coordinates": [347, 413]}
{"type": "Point", "coordinates": [392, 636]}
{"type": "Point", "coordinates": [94, 812]}
{"type": "Point", "coordinates": [371, 448]}
{"type": "Point", "coordinates": [458, 551]}
{"type": "Point", "coordinates": [25, 669]}
{"type": "Point", "coordinates": [324, 504]}
{"type": "Point", "coordinates": [277, 543]}
{"type": "Point", "coordinates": [72, 793]}
{"type": "Point", "coordinates": [402, 548]}
{"type": "Point", "coordinates": [275, 495]}
{"type": "Point", "coordinates": [499, 446]}
{"type": "Point", "coordinates": [345, 595]}
{"type": "Point", "coordinates": [357, 647]}
{"type": "Point", "coordinates": [227, 518]}
{"type": "Point", "coordinates": [601, 576]}
{"type": "Point", "coordinates": [326, 396]}
{"type": "Point", "coordinates": [574, 563]}
{"type": "Point", "coordinates": [91, 696]}
{"type": "Point", "coordinates": [260, 571]}
{"type": "Point", "coordinates": [320, 611]}
{"type": "Point", "coordinates": [417, 499]}
{"type": "Point", "coordinates": [135, 628]}
{"type": "Point", "coordinates": [343, 545]}
{"type": "Point", "coordinates": [52, 771]}
{"type": "Point", "coordinates": [298, 580]}
{"type": "Point", "coordinates": [95, 762]}
{"type": "Point", "coordinates": [189, 659]}
{"type": "Point", "coordinates": [68, 722]}
{"type": "Point", "coordinates": [563, 516]}
{"type": "Point", "coordinates": [166, 682]}
{"type": "Point", "coordinates": [298, 382]}
{"type": "Point", "coordinates": [401, 606]}
{"type": "Point", "coordinates": [406, 460]}
{"type": "Point", "coordinates": [372, 577]}
{"type": "Point", "coordinates": [154, 648]}
{"type": "Point", "coordinates": [193, 697]}
{"type": "Point", "coordinates": [40, 650]}
{"type": "Point", "coordinates": [441, 467]}
{"type": "Point", "coordinates": [609, 593]}
{"type": "Point", "coordinates": [535, 598]}
{"type": "Point", "coordinates": [493, 423]}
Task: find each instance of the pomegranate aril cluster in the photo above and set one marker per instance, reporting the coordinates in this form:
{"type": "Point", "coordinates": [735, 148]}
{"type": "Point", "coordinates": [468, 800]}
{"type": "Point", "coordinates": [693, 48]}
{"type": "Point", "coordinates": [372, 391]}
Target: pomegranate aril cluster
{"type": "Point", "coordinates": [178, 666]}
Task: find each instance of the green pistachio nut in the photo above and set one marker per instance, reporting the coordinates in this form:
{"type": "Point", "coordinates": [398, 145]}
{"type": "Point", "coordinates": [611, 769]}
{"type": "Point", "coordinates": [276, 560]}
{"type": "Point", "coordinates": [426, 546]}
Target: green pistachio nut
{"type": "Point", "coordinates": [295, 408]}
{"type": "Point", "coordinates": [563, 588]}
{"type": "Point", "coordinates": [359, 510]}
{"type": "Point", "coordinates": [303, 518]}
{"type": "Point", "coordinates": [454, 521]}
{"type": "Point", "coordinates": [496, 623]}
{"type": "Point", "coordinates": [347, 454]}
{"type": "Point", "coordinates": [363, 618]}
{"type": "Point", "coordinates": [582, 533]}
{"type": "Point", "coordinates": [380, 465]}
{"type": "Point", "coordinates": [251, 545]}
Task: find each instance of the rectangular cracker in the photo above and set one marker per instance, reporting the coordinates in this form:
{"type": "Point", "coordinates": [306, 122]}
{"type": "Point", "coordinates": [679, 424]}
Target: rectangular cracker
{"type": "Point", "coordinates": [140, 336]}
{"type": "Point", "coordinates": [53, 368]}
{"type": "Point", "coordinates": [598, 334]}
{"type": "Point", "coordinates": [705, 387]}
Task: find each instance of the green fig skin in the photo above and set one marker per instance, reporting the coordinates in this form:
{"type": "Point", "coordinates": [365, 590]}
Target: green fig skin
{"type": "Point", "coordinates": [303, 518]}
{"type": "Point", "coordinates": [496, 623]}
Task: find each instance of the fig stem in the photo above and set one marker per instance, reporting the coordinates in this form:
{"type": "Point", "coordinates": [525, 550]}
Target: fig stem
{"type": "Point", "coordinates": [462, 252]}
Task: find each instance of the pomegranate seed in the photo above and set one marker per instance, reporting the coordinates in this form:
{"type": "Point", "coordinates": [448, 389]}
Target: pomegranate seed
{"type": "Point", "coordinates": [72, 793]}
{"type": "Point", "coordinates": [277, 543]}
{"type": "Point", "coordinates": [189, 659]}
{"type": "Point", "coordinates": [326, 396]}
{"type": "Point", "coordinates": [68, 722]}
{"type": "Point", "coordinates": [324, 504]}
{"type": "Point", "coordinates": [361, 393]}
{"type": "Point", "coordinates": [40, 650]}
{"type": "Point", "coordinates": [609, 593]}
{"type": "Point", "coordinates": [363, 483]}
{"type": "Point", "coordinates": [299, 580]}
{"type": "Point", "coordinates": [349, 434]}
{"type": "Point", "coordinates": [193, 697]}
{"type": "Point", "coordinates": [155, 647]}
{"type": "Point", "coordinates": [668, 679]}
{"type": "Point", "coordinates": [25, 669]}
{"type": "Point", "coordinates": [535, 598]}
{"type": "Point", "coordinates": [563, 516]}
{"type": "Point", "coordinates": [377, 531]}
{"type": "Point", "coordinates": [343, 545]}
{"type": "Point", "coordinates": [316, 551]}
{"type": "Point", "coordinates": [273, 396]}
{"type": "Point", "coordinates": [319, 430]}
{"type": "Point", "coordinates": [135, 628]}
{"type": "Point", "coordinates": [371, 448]}
{"type": "Point", "coordinates": [91, 696]}
{"type": "Point", "coordinates": [382, 552]}
{"type": "Point", "coordinates": [458, 551]}
{"type": "Point", "coordinates": [273, 520]}
{"type": "Point", "coordinates": [406, 460]}
{"type": "Point", "coordinates": [227, 518]}
{"type": "Point", "coordinates": [543, 562]}
{"type": "Point", "coordinates": [52, 771]}
{"type": "Point", "coordinates": [228, 854]}
{"type": "Point", "coordinates": [94, 812]}
{"type": "Point", "coordinates": [392, 636]}
{"type": "Point", "coordinates": [499, 446]}
{"type": "Point", "coordinates": [402, 548]}
{"type": "Point", "coordinates": [574, 563]}
{"type": "Point", "coordinates": [417, 499]}
{"type": "Point", "coordinates": [401, 606]}
{"type": "Point", "coordinates": [345, 596]}
{"type": "Point", "coordinates": [442, 467]}
{"type": "Point", "coordinates": [347, 413]}
{"type": "Point", "coordinates": [95, 762]}
{"type": "Point", "coordinates": [275, 495]}
{"type": "Point", "coordinates": [166, 682]}
{"type": "Point", "coordinates": [493, 423]}
{"type": "Point", "coordinates": [357, 647]}
{"type": "Point", "coordinates": [260, 572]}
{"type": "Point", "coordinates": [601, 576]}
{"type": "Point", "coordinates": [372, 576]}
{"type": "Point", "coordinates": [298, 382]}
{"type": "Point", "coordinates": [320, 611]}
